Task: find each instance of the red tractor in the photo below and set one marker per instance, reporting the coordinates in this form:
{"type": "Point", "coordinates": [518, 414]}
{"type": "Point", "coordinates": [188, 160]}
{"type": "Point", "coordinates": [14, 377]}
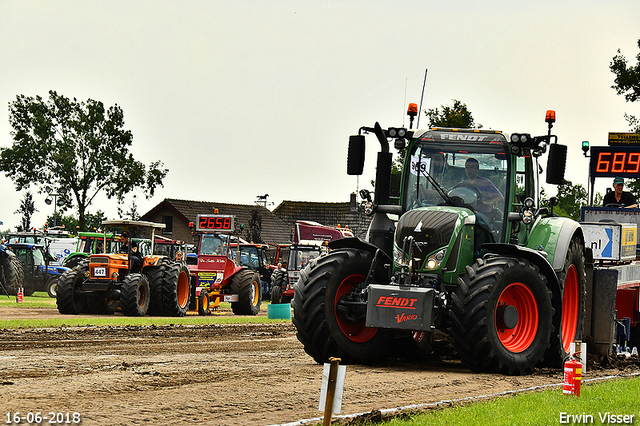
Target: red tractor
{"type": "Point", "coordinates": [293, 258]}
{"type": "Point", "coordinates": [218, 275]}
{"type": "Point", "coordinates": [310, 241]}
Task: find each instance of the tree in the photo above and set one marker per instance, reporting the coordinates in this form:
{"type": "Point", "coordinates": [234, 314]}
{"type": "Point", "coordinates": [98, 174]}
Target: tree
{"type": "Point", "coordinates": [93, 221]}
{"type": "Point", "coordinates": [457, 116]}
{"type": "Point", "coordinates": [27, 209]}
{"type": "Point", "coordinates": [570, 200]}
{"type": "Point", "coordinates": [255, 227]}
{"type": "Point", "coordinates": [133, 213]}
{"type": "Point", "coordinates": [627, 83]}
{"type": "Point", "coordinates": [74, 146]}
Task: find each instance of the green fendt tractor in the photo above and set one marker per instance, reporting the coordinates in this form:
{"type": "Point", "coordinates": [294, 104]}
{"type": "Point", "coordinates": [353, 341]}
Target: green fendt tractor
{"type": "Point", "coordinates": [466, 250]}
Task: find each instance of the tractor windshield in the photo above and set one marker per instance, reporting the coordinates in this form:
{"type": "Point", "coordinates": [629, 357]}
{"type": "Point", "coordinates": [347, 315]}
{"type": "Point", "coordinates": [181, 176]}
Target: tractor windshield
{"type": "Point", "coordinates": [299, 257]}
{"type": "Point", "coordinates": [473, 176]}
{"type": "Point", "coordinates": [213, 244]}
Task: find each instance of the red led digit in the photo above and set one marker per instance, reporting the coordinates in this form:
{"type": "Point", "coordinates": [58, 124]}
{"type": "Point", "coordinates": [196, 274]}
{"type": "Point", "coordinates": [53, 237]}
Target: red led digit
{"type": "Point", "coordinates": [633, 162]}
{"type": "Point", "coordinates": [603, 163]}
{"type": "Point", "coordinates": [617, 165]}
{"type": "Point", "coordinates": [203, 222]}
{"type": "Point", "coordinates": [227, 223]}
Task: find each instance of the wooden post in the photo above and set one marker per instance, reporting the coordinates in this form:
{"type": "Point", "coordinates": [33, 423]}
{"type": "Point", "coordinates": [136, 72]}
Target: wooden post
{"type": "Point", "coordinates": [331, 391]}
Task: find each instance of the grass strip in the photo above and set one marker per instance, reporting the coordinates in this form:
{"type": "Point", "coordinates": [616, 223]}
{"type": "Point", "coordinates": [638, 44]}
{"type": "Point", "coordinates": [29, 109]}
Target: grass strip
{"type": "Point", "coordinates": [599, 403]}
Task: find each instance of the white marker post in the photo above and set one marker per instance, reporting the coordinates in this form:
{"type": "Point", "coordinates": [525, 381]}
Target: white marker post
{"type": "Point", "coordinates": [331, 391]}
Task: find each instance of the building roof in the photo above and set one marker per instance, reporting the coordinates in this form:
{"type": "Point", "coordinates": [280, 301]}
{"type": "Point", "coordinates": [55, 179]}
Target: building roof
{"type": "Point", "coordinates": [274, 230]}
{"type": "Point", "coordinates": [329, 214]}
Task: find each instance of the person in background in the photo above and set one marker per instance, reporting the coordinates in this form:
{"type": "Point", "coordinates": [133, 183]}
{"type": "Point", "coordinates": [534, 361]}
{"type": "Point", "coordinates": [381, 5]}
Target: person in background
{"type": "Point", "coordinates": [619, 197]}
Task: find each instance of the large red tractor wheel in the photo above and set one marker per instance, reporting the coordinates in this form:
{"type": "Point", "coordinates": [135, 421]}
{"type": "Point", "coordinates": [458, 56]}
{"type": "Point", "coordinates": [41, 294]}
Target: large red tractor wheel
{"type": "Point", "coordinates": [246, 284]}
{"type": "Point", "coordinates": [571, 310]}
{"type": "Point", "coordinates": [134, 295]}
{"type": "Point", "coordinates": [502, 316]}
{"type": "Point", "coordinates": [329, 313]}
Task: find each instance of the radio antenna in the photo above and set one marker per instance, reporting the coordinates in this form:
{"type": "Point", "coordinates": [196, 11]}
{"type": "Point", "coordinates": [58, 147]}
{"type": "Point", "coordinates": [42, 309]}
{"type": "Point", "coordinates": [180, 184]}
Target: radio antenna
{"type": "Point", "coordinates": [405, 98]}
{"type": "Point", "coordinates": [424, 84]}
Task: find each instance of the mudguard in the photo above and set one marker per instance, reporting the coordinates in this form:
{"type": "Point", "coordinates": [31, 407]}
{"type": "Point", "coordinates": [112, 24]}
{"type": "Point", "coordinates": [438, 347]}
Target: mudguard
{"type": "Point", "coordinates": [553, 236]}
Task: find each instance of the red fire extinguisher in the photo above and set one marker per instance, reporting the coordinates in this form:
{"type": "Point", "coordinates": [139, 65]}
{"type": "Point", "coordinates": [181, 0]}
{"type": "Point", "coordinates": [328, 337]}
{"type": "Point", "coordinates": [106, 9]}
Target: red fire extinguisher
{"type": "Point", "coordinates": [19, 295]}
{"type": "Point", "coordinates": [572, 377]}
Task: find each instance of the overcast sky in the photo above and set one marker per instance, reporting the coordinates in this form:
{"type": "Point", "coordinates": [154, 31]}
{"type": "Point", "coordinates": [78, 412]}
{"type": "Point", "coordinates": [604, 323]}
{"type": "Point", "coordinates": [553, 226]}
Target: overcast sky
{"type": "Point", "coordinates": [246, 98]}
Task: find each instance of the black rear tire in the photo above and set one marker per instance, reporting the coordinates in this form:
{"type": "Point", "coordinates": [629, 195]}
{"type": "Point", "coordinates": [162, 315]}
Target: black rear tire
{"type": "Point", "coordinates": [493, 316]}
{"type": "Point", "coordinates": [276, 295]}
{"type": "Point", "coordinates": [12, 273]}
{"type": "Point", "coordinates": [68, 297]}
{"type": "Point", "coordinates": [322, 327]}
{"type": "Point", "coordinates": [246, 284]}
{"type": "Point", "coordinates": [134, 297]}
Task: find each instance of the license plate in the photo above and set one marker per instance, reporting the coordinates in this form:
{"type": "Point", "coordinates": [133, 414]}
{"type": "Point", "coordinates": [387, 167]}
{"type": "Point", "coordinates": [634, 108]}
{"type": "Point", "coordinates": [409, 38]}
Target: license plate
{"type": "Point", "coordinates": [100, 272]}
{"type": "Point", "coordinates": [230, 297]}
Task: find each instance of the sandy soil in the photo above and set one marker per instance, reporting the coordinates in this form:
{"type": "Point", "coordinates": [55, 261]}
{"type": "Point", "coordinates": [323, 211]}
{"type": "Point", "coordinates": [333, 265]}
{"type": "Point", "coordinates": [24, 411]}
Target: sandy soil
{"type": "Point", "coordinates": [214, 375]}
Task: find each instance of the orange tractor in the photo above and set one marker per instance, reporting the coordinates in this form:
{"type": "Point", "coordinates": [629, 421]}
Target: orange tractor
{"type": "Point", "coordinates": [137, 283]}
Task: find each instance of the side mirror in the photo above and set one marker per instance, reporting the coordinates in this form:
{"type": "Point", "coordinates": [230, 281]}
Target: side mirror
{"type": "Point", "coordinates": [355, 155]}
{"type": "Point", "coordinates": [556, 164]}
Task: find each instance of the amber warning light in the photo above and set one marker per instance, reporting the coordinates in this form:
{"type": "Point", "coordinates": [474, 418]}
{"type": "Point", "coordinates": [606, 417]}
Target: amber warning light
{"type": "Point", "coordinates": [412, 111]}
{"type": "Point", "coordinates": [550, 117]}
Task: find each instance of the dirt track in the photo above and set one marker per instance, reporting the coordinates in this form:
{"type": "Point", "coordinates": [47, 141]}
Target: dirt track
{"type": "Point", "coordinates": [211, 375]}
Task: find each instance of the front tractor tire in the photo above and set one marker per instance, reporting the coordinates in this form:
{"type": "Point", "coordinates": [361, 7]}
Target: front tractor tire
{"type": "Point", "coordinates": [204, 303]}
{"type": "Point", "coordinates": [327, 325]}
{"type": "Point", "coordinates": [502, 316]}
{"type": "Point", "coordinates": [68, 296]}
{"type": "Point", "coordinates": [247, 285]}
{"type": "Point", "coordinates": [135, 295]}
{"type": "Point", "coordinates": [571, 310]}
{"type": "Point", "coordinates": [155, 275]}
{"type": "Point", "coordinates": [176, 290]}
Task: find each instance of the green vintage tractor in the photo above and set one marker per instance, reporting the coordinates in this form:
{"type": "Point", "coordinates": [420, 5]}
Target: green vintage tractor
{"type": "Point", "coordinates": [465, 250]}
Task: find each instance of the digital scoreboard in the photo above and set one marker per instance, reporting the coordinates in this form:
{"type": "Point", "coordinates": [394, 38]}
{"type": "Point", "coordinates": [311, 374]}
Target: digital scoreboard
{"type": "Point", "coordinates": [215, 223]}
{"type": "Point", "coordinates": [611, 161]}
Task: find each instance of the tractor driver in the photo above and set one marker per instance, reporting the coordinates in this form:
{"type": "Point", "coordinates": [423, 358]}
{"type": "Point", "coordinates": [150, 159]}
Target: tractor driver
{"type": "Point", "coordinates": [490, 194]}
{"type": "Point", "coordinates": [136, 261]}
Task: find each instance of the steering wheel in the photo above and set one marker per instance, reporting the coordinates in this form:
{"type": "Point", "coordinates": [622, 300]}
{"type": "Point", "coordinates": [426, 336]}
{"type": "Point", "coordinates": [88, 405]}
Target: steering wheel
{"type": "Point", "coordinates": [468, 193]}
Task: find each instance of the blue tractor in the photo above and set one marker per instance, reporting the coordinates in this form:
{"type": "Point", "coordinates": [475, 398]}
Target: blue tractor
{"type": "Point", "coordinates": [39, 272]}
